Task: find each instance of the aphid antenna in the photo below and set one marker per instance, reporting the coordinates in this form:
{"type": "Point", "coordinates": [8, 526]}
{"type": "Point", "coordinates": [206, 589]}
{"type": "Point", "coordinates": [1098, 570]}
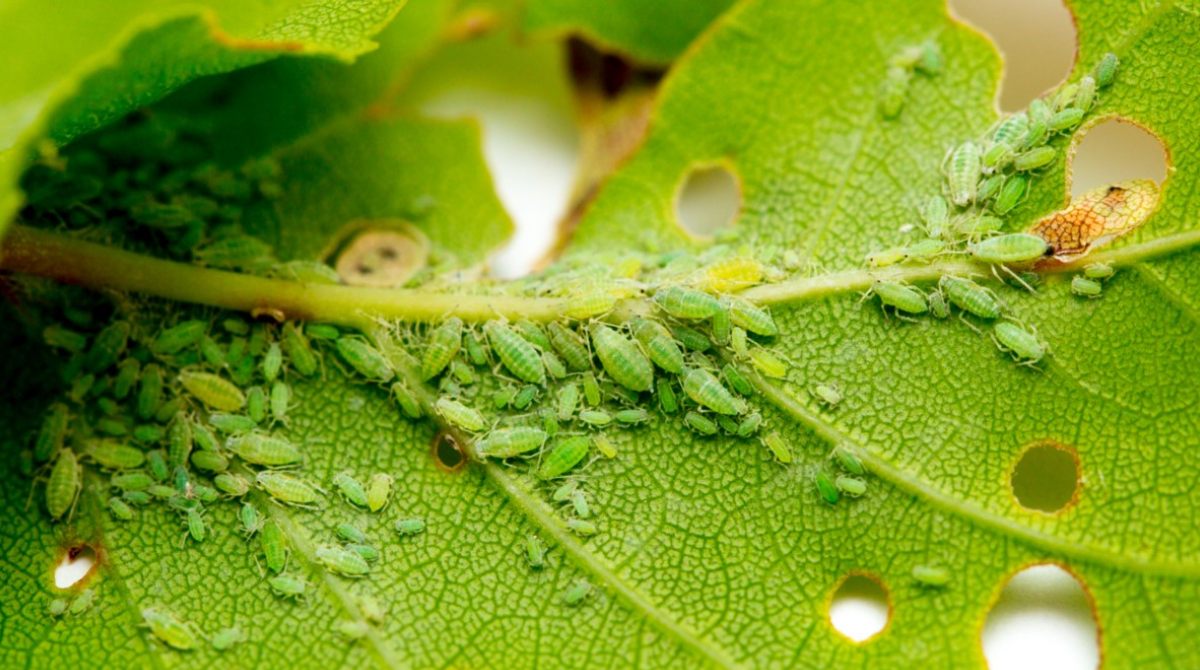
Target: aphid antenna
{"type": "Point", "coordinates": [967, 322]}
{"type": "Point", "coordinates": [1012, 274]}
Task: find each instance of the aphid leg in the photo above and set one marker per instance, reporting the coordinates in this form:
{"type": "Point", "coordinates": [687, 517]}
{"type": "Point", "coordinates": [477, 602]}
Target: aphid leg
{"type": "Point", "coordinates": [963, 317]}
{"type": "Point", "coordinates": [1014, 275]}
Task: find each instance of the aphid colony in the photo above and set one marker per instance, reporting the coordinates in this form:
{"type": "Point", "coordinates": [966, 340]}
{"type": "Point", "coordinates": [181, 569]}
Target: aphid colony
{"type": "Point", "coordinates": [984, 181]}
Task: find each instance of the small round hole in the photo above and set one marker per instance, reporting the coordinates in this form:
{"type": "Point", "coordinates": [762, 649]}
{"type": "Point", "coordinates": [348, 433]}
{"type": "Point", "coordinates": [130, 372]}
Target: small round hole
{"type": "Point", "coordinates": [1046, 477]}
{"type": "Point", "coordinates": [448, 453]}
{"type": "Point", "coordinates": [76, 564]}
{"type": "Point", "coordinates": [860, 608]}
{"type": "Point", "coordinates": [1043, 620]}
{"type": "Point", "coordinates": [1113, 151]}
{"type": "Point", "coordinates": [708, 201]}
{"type": "Point", "coordinates": [378, 252]}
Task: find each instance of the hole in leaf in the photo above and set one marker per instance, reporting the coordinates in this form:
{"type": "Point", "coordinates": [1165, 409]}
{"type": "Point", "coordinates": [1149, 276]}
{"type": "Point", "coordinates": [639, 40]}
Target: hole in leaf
{"type": "Point", "coordinates": [1036, 38]}
{"type": "Point", "coordinates": [1043, 620]}
{"type": "Point", "coordinates": [1114, 151]}
{"type": "Point", "coordinates": [1046, 477]}
{"type": "Point", "coordinates": [708, 201]}
{"type": "Point", "coordinates": [448, 453]}
{"type": "Point", "coordinates": [77, 563]}
{"type": "Point", "coordinates": [381, 252]}
{"type": "Point", "coordinates": [859, 609]}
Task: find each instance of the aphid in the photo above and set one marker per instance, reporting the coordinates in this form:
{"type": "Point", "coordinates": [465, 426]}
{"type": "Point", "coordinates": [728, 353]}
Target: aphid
{"type": "Point", "coordinates": [591, 389]}
{"type": "Point", "coordinates": [64, 338]}
{"type": "Point", "coordinates": [443, 345]}
{"type": "Point", "coordinates": [980, 226]}
{"type": "Point", "coordinates": [826, 488]}
{"type": "Point", "coordinates": [367, 552]}
{"type": "Point", "coordinates": [604, 445]}
{"type": "Point", "coordinates": [962, 173]}
{"type": "Point", "coordinates": [930, 61]}
{"type": "Point", "coordinates": [752, 317]}
{"type": "Point", "coordinates": [682, 302]}
{"type": "Point", "coordinates": [235, 252]}
{"type": "Point", "coordinates": [161, 491]}
{"type": "Point", "coordinates": [1020, 343]}
{"type": "Point", "coordinates": [827, 394]}
{"type": "Point", "coordinates": [114, 456]}
{"type": "Point", "coordinates": [568, 400]}
{"type": "Point", "coordinates": [937, 304]}
{"type": "Point", "coordinates": [1010, 248]}
{"type": "Point", "coordinates": [110, 426]}
{"type": "Point", "coordinates": [727, 424]}
{"type": "Point", "coordinates": [1085, 95]}
{"type": "Point", "coordinates": [622, 359]}
{"type": "Point", "coordinates": [1106, 70]}
{"type": "Point", "coordinates": [108, 346]}
{"type": "Point", "coordinates": [251, 520]}
{"type": "Point", "coordinates": [410, 526]}
{"type": "Point", "coordinates": [288, 489]}
{"type": "Point", "coordinates": [322, 331]}
{"type": "Point", "coordinates": [778, 447]}
{"type": "Point", "coordinates": [893, 91]}
{"type": "Point", "coordinates": [576, 593]}
{"type": "Point", "coordinates": [1033, 159]}
{"type": "Point", "coordinates": [279, 399]}
{"type": "Point", "coordinates": [1010, 194]}
{"type": "Point", "coordinates": [226, 638]}
{"type": "Point", "coordinates": [149, 434]}
{"type": "Point", "coordinates": [886, 257]}
{"type": "Point", "coordinates": [706, 390]}
{"type": "Point", "coordinates": [736, 380]}
{"type": "Point", "coordinates": [1038, 130]}
{"type": "Point", "coordinates": [970, 297]}
{"type": "Point", "coordinates": [554, 365]}
{"type": "Point", "coordinates": [195, 525]}
{"type": "Point", "coordinates": [509, 442]}
{"type": "Point", "coordinates": [475, 351]}
{"type": "Point", "coordinates": [349, 533]}
{"type": "Point", "coordinates": [749, 425]}
{"type": "Point", "coordinates": [851, 486]}
{"type": "Point", "coordinates": [935, 214]}
{"type": "Point", "coordinates": [364, 358]}
{"type": "Point", "coordinates": [205, 494]}
{"type": "Point", "coordinates": [721, 325]}
{"type": "Point", "coordinates": [731, 274]}
{"type": "Point", "coordinates": [591, 304]}
{"type": "Point", "coordinates": [533, 334]}
{"type": "Point", "coordinates": [272, 362]}
{"type": "Point", "coordinates": [691, 338]}
{"type": "Point", "coordinates": [182, 481]}
{"type": "Point", "coordinates": [178, 337]}
{"type": "Point", "coordinates": [924, 250]}
{"type": "Point", "coordinates": [518, 356]}
{"type": "Point", "coordinates": [928, 575]}
{"type": "Point", "coordinates": [274, 544]}
{"type": "Point", "coordinates": [700, 423]}
{"type": "Point", "coordinates": [582, 527]}
{"type": "Point", "coordinates": [379, 490]}
{"type": "Point", "coordinates": [535, 553]}
{"type": "Point", "coordinates": [570, 346]}
{"type": "Point", "coordinates": [524, 396]}
{"type": "Point", "coordinates": [169, 409]}
{"type": "Point", "coordinates": [659, 345]}
{"type": "Point", "coordinates": [460, 415]}
{"type": "Point", "coordinates": [64, 484]}
{"type": "Point", "coordinates": [170, 630]}
{"type": "Point", "coordinates": [849, 462]}
{"type": "Point", "coordinates": [341, 560]}
{"type": "Point", "coordinates": [1087, 288]}
{"type": "Point", "coordinates": [595, 417]}
{"type": "Point", "coordinates": [136, 497]}
{"type": "Point", "coordinates": [149, 395]}
{"type": "Point", "coordinates": [564, 456]}
{"type": "Point", "coordinates": [632, 416]}
{"type": "Point", "coordinates": [82, 603]}
{"type": "Point", "coordinates": [231, 484]}
{"type": "Point", "coordinates": [768, 364]}
{"type": "Point", "coordinates": [350, 488]}
{"type": "Point", "coordinates": [300, 354]}
{"type": "Point", "coordinates": [120, 509]}
{"type": "Point", "coordinates": [259, 449]}
{"type": "Point", "coordinates": [667, 401]}
{"type": "Point", "coordinates": [132, 481]}
{"type": "Point", "coordinates": [503, 397]}
{"type": "Point", "coordinates": [57, 607]}
{"type": "Point", "coordinates": [179, 441]}
{"type": "Point", "coordinates": [407, 402]}
{"type": "Point", "coordinates": [1098, 271]}
{"type": "Point", "coordinates": [901, 297]}
{"type": "Point", "coordinates": [549, 421]}
{"type": "Point", "coordinates": [288, 586]}
{"type": "Point", "coordinates": [127, 375]}
{"type": "Point", "coordinates": [231, 424]}
{"type": "Point", "coordinates": [1064, 120]}
{"type": "Point", "coordinates": [212, 390]}
{"type": "Point", "coordinates": [53, 431]}
{"type": "Point", "coordinates": [80, 387]}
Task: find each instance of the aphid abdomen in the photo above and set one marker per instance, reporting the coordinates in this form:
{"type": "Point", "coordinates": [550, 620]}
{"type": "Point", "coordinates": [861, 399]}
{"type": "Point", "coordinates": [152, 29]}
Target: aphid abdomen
{"type": "Point", "coordinates": [519, 356]}
{"type": "Point", "coordinates": [622, 359]}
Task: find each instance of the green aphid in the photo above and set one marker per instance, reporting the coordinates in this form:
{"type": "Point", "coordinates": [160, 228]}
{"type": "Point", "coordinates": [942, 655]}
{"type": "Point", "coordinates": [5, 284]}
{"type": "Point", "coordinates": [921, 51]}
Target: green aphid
{"type": "Point", "coordinates": [308, 272]}
{"type": "Point", "coordinates": [997, 156]}
{"type": "Point", "coordinates": [775, 443]}
{"type": "Point", "coordinates": [568, 401]}
{"type": "Point", "coordinates": [242, 373]}
{"type": "Point", "coordinates": [379, 490]}
{"type": "Point", "coordinates": [322, 331]}
{"type": "Point", "coordinates": [683, 302]}
{"type": "Point", "coordinates": [137, 497]}
{"type": "Point", "coordinates": [524, 396]}
{"type": "Point", "coordinates": [57, 607]}
{"type": "Point", "coordinates": [236, 351]}
{"type": "Point", "coordinates": [691, 338]}
{"type": "Point", "coordinates": [928, 575]}
{"type": "Point", "coordinates": [748, 426]}
{"type": "Point", "coordinates": [256, 404]}
{"type": "Point", "coordinates": [212, 462]}
{"type": "Point", "coordinates": [901, 297]}
{"type": "Point", "coordinates": [576, 593]}
{"type": "Point", "coordinates": [288, 586]}
{"type": "Point", "coordinates": [272, 362]}
{"type": "Point", "coordinates": [442, 346]}
{"type": "Point", "coordinates": [120, 509]}
{"type": "Point", "coordinates": [350, 533]}
{"type": "Point", "coordinates": [80, 387]}
{"type": "Point", "coordinates": [288, 489]}
{"type": "Point", "coordinates": [706, 390]}
{"type": "Point", "coordinates": [195, 525]}
{"type": "Point", "coordinates": [114, 456]}
{"type": "Point", "coordinates": [736, 380]}
{"type": "Point", "coordinates": [279, 399]}
{"type": "Point", "coordinates": [132, 481]}
{"type": "Point", "coordinates": [582, 527]}
{"type": "Point", "coordinates": [409, 526]}
{"type": "Point", "coordinates": [1086, 288]}
{"type": "Point", "coordinates": [372, 610]}
{"type": "Point", "coordinates": [828, 394]}
{"type": "Point", "coordinates": [658, 344]}
{"type": "Point", "coordinates": [267, 450]}
{"type": "Point", "coordinates": [826, 487]}
{"type": "Point", "coordinates": [503, 397]}
{"type": "Point", "coordinates": [64, 484]}
{"type": "Point", "coordinates": [535, 553]}
{"type": "Point", "coordinates": [1085, 95]}
{"type": "Point", "coordinates": [205, 494]}
{"type": "Point", "coordinates": [82, 603]}
{"type": "Point", "coordinates": [179, 337]}
{"type": "Point", "coordinates": [406, 400]}
{"type": "Point", "coordinates": [64, 338]}
{"type": "Point", "coordinates": [183, 483]}
{"type": "Point", "coordinates": [962, 173]}
{"type": "Point", "coordinates": [231, 424]}
{"type": "Point", "coordinates": [475, 350]}
{"type": "Point", "coordinates": [1065, 120]}
{"type": "Point", "coordinates": [667, 401]}
{"type": "Point", "coordinates": [52, 433]}
{"type": "Point", "coordinates": [235, 326]}
{"type": "Point", "coordinates": [150, 392]}
{"type": "Point", "coordinates": [727, 424]}
{"type": "Point", "coordinates": [365, 551]}
{"type": "Point", "coordinates": [632, 416]}
{"type": "Point", "coordinates": [849, 462]}
{"type": "Point", "coordinates": [231, 484]}
{"type": "Point", "coordinates": [1023, 345]}
{"type": "Point", "coordinates": [249, 518]}
{"type": "Point", "coordinates": [554, 365]}
{"type": "Point", "coordinates": [236, 252]}
{"type": "Point", "coordinates": [509, 442]}
{"type": "Point", "coordinates": [1033, 159]}
{"type": "Point", "coordinates": [549, 421]}
{"type": "Point", "coordinates": [107, 347]}
{"type": "Point", "coordinates": [563, 492]}
{"type": "Point", "coordinates": [700, 423]}
{"type": "Point", "coordinates": [212, 390]}
{"type": "Point", "coordinates": [935, 214]}
{"type": "Point", "coordinates": [591, 389]}
{"type": "Point", "coordinates": [1010, 248]}
{"type": "Point", "coordinates": [570, 346]}
{"type": "Point", "coordinates": [565, 455]}
{"type": "Point", "coordinates": [127, 376]}
{"type": "Point", "coordinates": [533, 334]}
{"type": "Point", "coordinates": [892, 92]}
{"type": "Point", "coordinates": [300, 355]}
{"type": "Point", "coordinates": [211, 352]}
{"type": "Point", "coordinates": [341, 560]}
{"type": "Point", "coordinates": [851, 486]}
{"type": "Point", "coordinates": [170, 630]}
{"type": "Point", "coordinates": [924, 251]}
{"type": "Point", "coordinates": [580, 505]}
{"type": "Point", "coordinates": [590, 304]}
{"type": "Point", "coordinates": [1010, 194]}
{"type": "Point", "coordinates": [179, 441]}
{"type": "Point", "coordinates": [226, 638]}
{"type": "Point", "coordinates": [597, 418]}
{"type": "Point", "coordinates": [350, 488]}
{"type": "Point", "coordinates": [365, 359]}
{"type": "Point", "coordinates": [519, 356]}
{"type": "Point", "coordinates": [1098, 271]}
{"type": "Point", "coordinates": [273, 542]}
{"type": "Point", "coordinates": [622, 359]}
{"type": "Point", "coordinates": [1106, 70]}
{"type": "Point", "coordinates": [161, 491]}
{"type": "Point", "coordinates": [604, 445]}
{"type": "Point", "coordinates": [463, 374]}
{"type": "Point", "coordinates": [751, 317]}
{"type": "Point", "coordinates": [720, 326]}
{"type": "Point", "coordinates": [111, 427]}
{"type": "Point", "coordinates": [460, 415]}
{"type": "Point", "coordinates": [971, 297]}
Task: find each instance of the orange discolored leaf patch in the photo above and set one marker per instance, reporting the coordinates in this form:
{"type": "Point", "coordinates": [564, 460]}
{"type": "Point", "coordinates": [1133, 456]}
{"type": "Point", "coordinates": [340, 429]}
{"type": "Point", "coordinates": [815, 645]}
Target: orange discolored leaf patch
{"type": "Point", "coordinates": [1097, 217]}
